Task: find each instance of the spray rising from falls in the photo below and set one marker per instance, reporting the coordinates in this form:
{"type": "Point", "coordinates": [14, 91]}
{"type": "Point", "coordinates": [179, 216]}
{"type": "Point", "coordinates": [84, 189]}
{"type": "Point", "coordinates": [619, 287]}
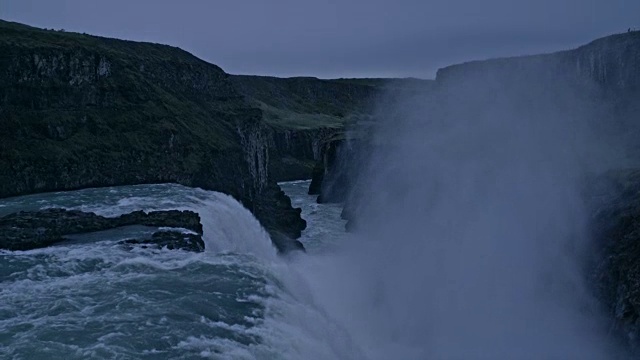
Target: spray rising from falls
{"type": "Point", "coordinates": [472, 232]}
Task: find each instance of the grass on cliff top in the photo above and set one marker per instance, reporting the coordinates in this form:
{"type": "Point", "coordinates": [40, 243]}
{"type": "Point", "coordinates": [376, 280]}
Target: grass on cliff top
{"type": "Point", "coordinates": [385, 82]}
{"type": "Point", "coordinates": [137, 103]}
{"type": "Point", "coordinates": [286, 119]}
{"type": "Point", "coordinates": [303, 103]}
{"type": "Point", "coordinates": [311, 103]}
{"type": "Point", "coordinates": [24, 36]}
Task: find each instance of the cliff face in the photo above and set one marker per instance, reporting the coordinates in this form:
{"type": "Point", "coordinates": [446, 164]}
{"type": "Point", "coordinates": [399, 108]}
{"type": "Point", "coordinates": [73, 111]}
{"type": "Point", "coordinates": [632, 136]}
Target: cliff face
{"type": "Point", "coordinates": [303, 114]}
{"type": "Point", "coordinates": [308, 117]}
{"type": "Point", "coordinates": [606, 71]}
{"type": "Point", "coordinates": [81, 111]}
{"type": "Point", "coordinates": [294, 153]}
{"type": "Point", "coordinates": [613, 62]}
{"type": "Point", "coordinates": [616, 225]}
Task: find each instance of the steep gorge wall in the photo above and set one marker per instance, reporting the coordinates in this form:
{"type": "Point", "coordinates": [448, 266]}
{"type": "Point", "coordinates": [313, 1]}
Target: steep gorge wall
{"type": "Point", "coordinates": [308, 116]}
{"type": "Point", "coordinates": [304, 114]}
{"type": "Point", "coordinates": [81, 111]}
{"type": "Point", "coordinates": [613, 62]}
{"type": "Point", "coordinates": [607, 71]}
{"type": "Point", "coordinates": [295, 153]}
{"type": "Point", "coordinates": [615, 204]}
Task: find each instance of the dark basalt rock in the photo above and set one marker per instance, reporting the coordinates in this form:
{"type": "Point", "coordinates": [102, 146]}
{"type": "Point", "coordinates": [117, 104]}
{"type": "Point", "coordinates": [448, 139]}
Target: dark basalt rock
{"type": "Point", "coordinates": [172, 240]}
{"type": "Point", "coordinates": [616, 223]}
{"type": "Point", "coordinates": [285, 244]}
{"type": "Point", "coordinates": [281, 229]}
{"type": "Point", "coordinates": [79, 111]}
{"type": "Point", "coordinates": [343, 162]}
{"type": "Point", "coordinates": [316, 179]}
{"type": "Point", "coordinates": [293, 153]}
{"type": "Point", "coordinates": [170, 218]}
{"type": "Point", "coordinates": [38, 229]}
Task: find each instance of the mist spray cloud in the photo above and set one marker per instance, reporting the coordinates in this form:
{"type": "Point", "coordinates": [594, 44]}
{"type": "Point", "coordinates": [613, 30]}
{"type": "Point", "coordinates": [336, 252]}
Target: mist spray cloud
{"type": "Point", "coordinates": [472, 231]}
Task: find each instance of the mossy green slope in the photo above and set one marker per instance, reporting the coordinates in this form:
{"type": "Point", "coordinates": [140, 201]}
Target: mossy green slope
{"type": "Point", "coordinates": [310, 103]}
{"type": "Point", "coordinates": [305, 114]}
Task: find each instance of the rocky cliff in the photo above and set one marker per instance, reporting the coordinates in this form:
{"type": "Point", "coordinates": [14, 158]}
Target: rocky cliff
{"type": "Point", "coordinates": [303, 114]}
{"type": "Point", "coordinates": [615, 204]}
{"type": "Point", "coordinates": [613, 62]}
{"type": "Point", "coordinates": [306, 114]}
{"type": "Point", "coordinates": [82, 111]}
{"type": "Point", "coordinates": [605, 72]}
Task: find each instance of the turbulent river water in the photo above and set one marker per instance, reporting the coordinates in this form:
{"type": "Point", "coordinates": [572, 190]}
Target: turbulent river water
{"type": "Point", "coordinates": [377, 295]}
{"type": "Point", "coordinates": [93, 298]}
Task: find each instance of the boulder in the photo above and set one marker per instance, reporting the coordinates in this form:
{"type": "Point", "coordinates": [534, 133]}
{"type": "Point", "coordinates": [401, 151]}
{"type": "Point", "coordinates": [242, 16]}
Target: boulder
{"type": "Point", "coordinates": [28, 230]}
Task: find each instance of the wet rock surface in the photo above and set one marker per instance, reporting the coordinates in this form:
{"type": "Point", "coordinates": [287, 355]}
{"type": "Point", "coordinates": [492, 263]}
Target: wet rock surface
{"type": "Point", "coordinates": [616, 222]}
{"type": "Point", "coordinates": [171, 240]}
{"type": "Point", "coordinates": [28, 230]}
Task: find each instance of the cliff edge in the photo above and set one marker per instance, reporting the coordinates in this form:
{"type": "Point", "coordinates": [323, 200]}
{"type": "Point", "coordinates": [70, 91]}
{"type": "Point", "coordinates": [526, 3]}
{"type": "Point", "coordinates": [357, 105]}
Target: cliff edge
{"type": "Point", "coordinates": [84, 111]}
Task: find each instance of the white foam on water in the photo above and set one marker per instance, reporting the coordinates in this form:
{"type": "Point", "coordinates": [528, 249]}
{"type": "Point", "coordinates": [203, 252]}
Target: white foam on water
{"type": "Point", "coordinates": [71, 283]}
{"type": "Point", "coordinates": [180, 230]}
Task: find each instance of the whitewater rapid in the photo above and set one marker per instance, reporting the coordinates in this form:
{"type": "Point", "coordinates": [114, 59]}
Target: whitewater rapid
{"type": "Point", "coordinates": [92, 298]}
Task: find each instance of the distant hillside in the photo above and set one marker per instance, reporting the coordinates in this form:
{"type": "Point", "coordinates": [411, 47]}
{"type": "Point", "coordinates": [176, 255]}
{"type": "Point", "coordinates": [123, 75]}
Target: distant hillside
{"type": "Point", "coordinates": [611, 62]}
{"type": "Point", "coordinates": [307, 102]}
{"type": "Point", "coordinates": [306, 114]}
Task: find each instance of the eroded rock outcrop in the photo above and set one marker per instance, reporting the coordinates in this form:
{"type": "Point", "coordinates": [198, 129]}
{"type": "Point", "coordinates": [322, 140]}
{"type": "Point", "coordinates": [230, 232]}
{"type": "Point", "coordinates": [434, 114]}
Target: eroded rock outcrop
{"type": "Point", "coordinates": [304, 114]}
{"type": "Point", "coordinates": [28, 230]}
{"type": "Point", "coordinates": [295, 153]}
{"type": "Point", "coordinates": [616, 226]}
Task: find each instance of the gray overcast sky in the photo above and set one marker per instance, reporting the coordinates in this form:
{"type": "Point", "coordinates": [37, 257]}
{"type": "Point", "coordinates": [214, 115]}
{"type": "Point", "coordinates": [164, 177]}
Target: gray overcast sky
{"type": "Point", "coordinates": [349, 38]}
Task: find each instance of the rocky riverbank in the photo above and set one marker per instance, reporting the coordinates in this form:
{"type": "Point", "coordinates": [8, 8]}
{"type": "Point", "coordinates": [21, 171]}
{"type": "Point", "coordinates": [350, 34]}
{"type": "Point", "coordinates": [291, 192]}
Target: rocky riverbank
{"type": "Point", "coordinates": [27, 230]}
